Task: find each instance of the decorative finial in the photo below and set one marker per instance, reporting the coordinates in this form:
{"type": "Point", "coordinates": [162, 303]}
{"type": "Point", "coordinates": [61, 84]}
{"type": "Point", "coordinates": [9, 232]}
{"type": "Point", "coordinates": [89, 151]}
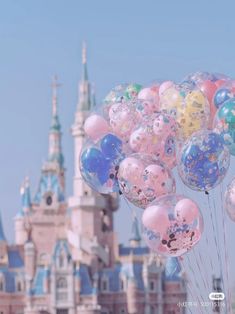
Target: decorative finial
{"type": "Point", "coordinates": [54, 86]}
{"type": "Point", "coordinates": [84, 53]}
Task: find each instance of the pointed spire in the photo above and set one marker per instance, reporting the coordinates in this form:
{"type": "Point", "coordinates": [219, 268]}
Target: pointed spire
{"type": "Point", "coordinates": [55, 151]}
{"type": "Point", "coordinates": [84, 103]}
{"type": "Point", "coordinates": [84, 62]}
{"type": "Point", "coordinates": [93, 98]}
{"type": "Point", "coordinates": [135, 233]}
{"type": "Point", "coordinates": [55, 124]}
{"type": "Point", "coordinates": [2, 235]}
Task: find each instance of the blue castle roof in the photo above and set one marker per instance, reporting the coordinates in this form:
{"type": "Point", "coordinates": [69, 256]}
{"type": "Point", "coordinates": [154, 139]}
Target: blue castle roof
{"type": "Point", "coordinates": [2, 235]}
{"type": "Point", "coordinates": [49, 183]}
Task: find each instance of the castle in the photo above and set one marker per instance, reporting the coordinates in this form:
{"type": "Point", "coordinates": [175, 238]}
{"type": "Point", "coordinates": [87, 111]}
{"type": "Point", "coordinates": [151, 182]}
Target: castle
{"type": "Point", "coordinates": [66, 258]}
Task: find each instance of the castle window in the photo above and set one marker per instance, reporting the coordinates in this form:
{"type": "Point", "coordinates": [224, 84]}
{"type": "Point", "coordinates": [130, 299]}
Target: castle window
{"type": "Point", "coordinates": [49, 200]}
{"type": "Point", "coordinates": [122, 285]}
{"type": "Point", "coordinates": [104, 285]}
{"type": "Point", "coordinates": [19, 286]}
{"type": "Point", "coordinates": [152, 310]}
{"type": "Point", "coordinates": [122, 311]}
{"type": "Point", "coordinates": [61, 283]}
{"type": "Point", "coordinates": [152, 286]}
{"type": "Point", "coordinates": [1, 283]}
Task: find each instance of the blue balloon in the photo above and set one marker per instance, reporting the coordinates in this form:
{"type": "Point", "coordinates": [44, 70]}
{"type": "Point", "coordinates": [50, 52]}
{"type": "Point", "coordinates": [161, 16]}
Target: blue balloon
{"type": "Point", "coordinates": [111, 146]}
{"type": "Point", "coordinates": [92, 160]}
{"type": "Point", "coordinates": [103, 172]}
{"type": "Point", "coordinates": [221, 96]}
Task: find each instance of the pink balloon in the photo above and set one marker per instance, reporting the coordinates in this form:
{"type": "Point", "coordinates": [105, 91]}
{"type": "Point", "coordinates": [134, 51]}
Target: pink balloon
{"type": "Point", "coordinates": [165, 85]}
{"type": "Point", "coordinates": [131, 169]}
{"type": "Point", "coordinates": [143, 142]}
{"type": "Point", "coordinates": [123, 119]}
{"type": "Point", "coordinates": [156, 218]}
{"type": "Point", "coordinates": [208, 88]}
{"type": "Point", "coordinates": [96, 127]}
{"type": "Point", "coordinates": [148, 94]}
{"type": "Point", "coordinates": [220, 83]}
{"type": "Point", "coordinates": [158, 180]}
{"type": "Point", "coordinates": [186, 210]}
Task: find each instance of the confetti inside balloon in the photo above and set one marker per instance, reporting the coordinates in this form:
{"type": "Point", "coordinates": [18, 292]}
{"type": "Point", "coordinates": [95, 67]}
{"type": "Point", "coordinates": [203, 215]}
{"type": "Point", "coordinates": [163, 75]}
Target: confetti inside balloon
{"type": "Point", "coordinates": [143, 178]}
{"type": "Point", "coordinates": [172, 225]}
{"type": "Point", "coordinates": [203, 161]}
{"type": "Point", "coordinates": [188, 105]}
{"type": "Point", "coordinates": [224, 124]}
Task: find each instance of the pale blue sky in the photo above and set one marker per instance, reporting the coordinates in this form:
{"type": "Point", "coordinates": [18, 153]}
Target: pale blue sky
{"type": "Point", "coordinates": [137, 41]}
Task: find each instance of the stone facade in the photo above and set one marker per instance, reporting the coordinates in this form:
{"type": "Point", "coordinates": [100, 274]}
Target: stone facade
{"type": "Point", "coordinates": [66, 258]}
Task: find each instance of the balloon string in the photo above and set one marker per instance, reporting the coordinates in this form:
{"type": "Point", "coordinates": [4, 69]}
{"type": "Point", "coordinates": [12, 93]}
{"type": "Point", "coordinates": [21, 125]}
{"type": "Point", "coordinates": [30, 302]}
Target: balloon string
{"type": "Point", "coordinates": [225, 249]}
{"type": "Point", "coordinates": [213, 227]}
{"type": "Point", "coordinates": [190, 285]}
{"type": "Point", "coordinates": [200, 270]}
{"type": "Point", "coordinates": [206, 273]}
{"type": "Point", "coordinates": [220, 246]}
{"type": "Point", "coordinates": [195, 278]}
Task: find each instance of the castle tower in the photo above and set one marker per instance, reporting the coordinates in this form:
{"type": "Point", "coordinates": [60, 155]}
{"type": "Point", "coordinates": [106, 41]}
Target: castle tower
{"type": "Point", "coordinates": [3, 246]}
{"type": "Point", "coordinates": [55, 162]}
{"type": "Point", "coordinates": [135, 239]}
{"type": "Point", "coordinates": [91, 232]}
{"type": "Point", "coordinates": [20, 218]}
{"type": "Point", "coordinates": [47, 218]}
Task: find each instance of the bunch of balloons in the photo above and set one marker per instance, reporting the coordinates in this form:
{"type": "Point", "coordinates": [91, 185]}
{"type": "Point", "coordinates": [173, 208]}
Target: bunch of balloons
{"type": "Point", "coordinates": [139, 134]}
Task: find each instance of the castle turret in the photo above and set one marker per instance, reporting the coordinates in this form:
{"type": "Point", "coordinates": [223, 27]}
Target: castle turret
{"type": "Point", "coordinates": [135, 238]}
{"type": "Point", "coordinates": [20, 218]}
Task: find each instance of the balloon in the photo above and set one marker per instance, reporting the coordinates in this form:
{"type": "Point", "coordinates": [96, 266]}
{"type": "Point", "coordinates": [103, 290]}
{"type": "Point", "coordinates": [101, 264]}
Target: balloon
{"type": "Point", "coordinates": [156, 136]}
{"type": "Point", "coordinates": [146, 107]}
{"type": "Point", "coordinates": [221, 96]}
{"type": "Point", "coordinates": [186, 210]}
{"type": "Point", "coordinates": [96, 126]}
{"type": "Point", "coordinates": [117, 94]}
{"type": "Point", "coordinates": [99, 167]}
{"type": "Point", "coordinates": [151, 179]}
{"type": "Point", "coordinates": [131, 170]}
{"type": "Point", "coordinates": [123, 119]}
{"type": "Point", "coordinates": [203, 161]}
{"type": "Point", "coordinates": [165, 232]}
{"type": "Point", "coordinates": [156, 218]}
{"type": "Point", "coordinates": [111, 146]}
{"type": "Point", "coordinates": [92, 159]}
{"type": "Point", "coordinates": [229, 201]}
{"type": "Point", "coordinates": [164, 86]}
{"type": "Point", "coordinates": [132, 91]}
{"type": "Point", "coordinates": [149, 94]}
{"type": "Point", "coordinates": [188, 105]}
{"type": "Point", "coordinates": [224, 124]}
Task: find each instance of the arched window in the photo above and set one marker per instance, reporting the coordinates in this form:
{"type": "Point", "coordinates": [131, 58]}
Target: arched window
{"type": "Point", "coordinates": [104, 285]}
{"type": "Point", "coordinates": [19, 286]}
{"type": "Point", "coordinates": [152, 285]}
{"type": "Point", "coordinates": [122, 284]}
{"type": "Point", "coordinates": [61, 283]}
